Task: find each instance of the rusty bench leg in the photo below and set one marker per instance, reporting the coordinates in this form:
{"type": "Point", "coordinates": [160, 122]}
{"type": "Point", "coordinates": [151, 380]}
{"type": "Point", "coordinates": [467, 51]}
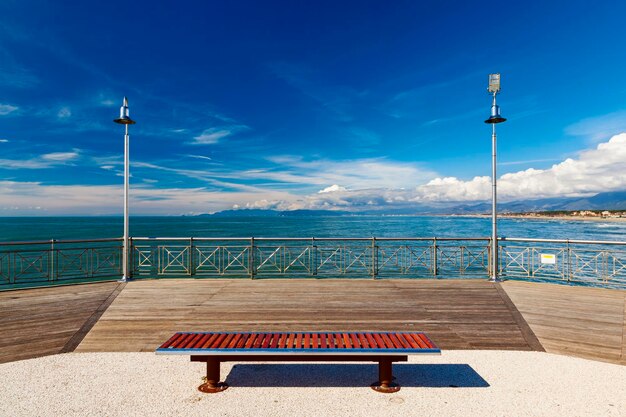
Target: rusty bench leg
{"type": "Point", "coordinates": [212, 384]}
{"type": "Point", "coordinates": [385, 377]}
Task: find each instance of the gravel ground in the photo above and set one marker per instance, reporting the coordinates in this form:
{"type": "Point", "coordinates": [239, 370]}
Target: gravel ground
{"type": "Point", "coordinates": [457, 383]}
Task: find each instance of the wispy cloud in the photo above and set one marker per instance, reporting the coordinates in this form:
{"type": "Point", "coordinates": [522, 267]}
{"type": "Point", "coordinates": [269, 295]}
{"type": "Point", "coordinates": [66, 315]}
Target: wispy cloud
{"type": "Point", "coordinates": [4, 140]}
{"type": "Point", "coordinates": [529, 161]}
{"type": "Point", "coordinates": [600, 127]}
{"type": "Point", "coordinates": [44, 161]}
{"type": "Point", "coordinates": [213, 135]}
{"type": "Point", "coordinates": [7, 109]}
{"type": "Point", "coordinates": [64, 113]}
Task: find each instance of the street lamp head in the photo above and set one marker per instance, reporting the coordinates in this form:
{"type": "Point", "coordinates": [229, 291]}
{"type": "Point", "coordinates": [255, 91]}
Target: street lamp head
{"type": "Point", "coordinates": [124, 118]}
{"type": "Point", "coordinates": [494, 83]}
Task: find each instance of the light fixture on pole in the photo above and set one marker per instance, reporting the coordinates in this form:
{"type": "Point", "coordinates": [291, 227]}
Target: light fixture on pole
{"type": "Point", "coordinates": [125, 120]}
{"type": "Point", "coordinates": [495, 118]}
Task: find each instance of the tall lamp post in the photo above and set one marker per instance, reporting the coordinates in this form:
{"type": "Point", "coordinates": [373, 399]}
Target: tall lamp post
{"type": "Point", "coordinates": [125, 120]}
{"type": "Point", "coordinates": [495, 118]}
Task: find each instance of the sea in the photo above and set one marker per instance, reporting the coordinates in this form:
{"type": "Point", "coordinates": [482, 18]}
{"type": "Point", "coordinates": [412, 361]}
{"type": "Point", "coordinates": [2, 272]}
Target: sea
{"type": "Point", "coordinates": [15, 229]}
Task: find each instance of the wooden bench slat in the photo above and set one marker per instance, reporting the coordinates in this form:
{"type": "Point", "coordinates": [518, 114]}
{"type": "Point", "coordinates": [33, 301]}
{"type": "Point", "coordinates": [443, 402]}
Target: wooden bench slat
{"type": "Point", "coordinates": [410, 341]}
{"type": "Point", "coordinates": [418, 340]}
{"type": "Point", "coordinates": [234, 341]}
{"type": "Point", "coordinates": [185, 341]}
{"type": "Point", "coordinates": [363, 341]}
{"type": "Point", "coordinates": [290, 341]}
{"type": "Point", "coordinates": [198, 343]}
{"type": "Point", "coordinates": [395, 341]}
{"type": "Point", "coordinates": [426, 340]}
{"type": "Point", "coordinates": [354, 341]}
{"type": "Point", "coordinates": [170, 340]}
{"type": "Point", "coordinates": [216, 343]}
{"type": "Point", "coordinates": [378, 341]}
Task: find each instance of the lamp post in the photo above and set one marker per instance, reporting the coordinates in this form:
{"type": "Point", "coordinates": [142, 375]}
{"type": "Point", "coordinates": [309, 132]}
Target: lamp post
{"type": "Point", "coordinates": [495, 118]}
{"type": "Point", "coordinates": [125, 120]}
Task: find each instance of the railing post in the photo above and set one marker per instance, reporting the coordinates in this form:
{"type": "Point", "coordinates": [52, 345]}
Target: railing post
{"type": "Point", "coordinates": [192, 269]}
{"type": "Point", "coordinates": [131, 257]}
{"type": "Point", "coordinates": [374, 258]}
{"type": "Point", "coordinates": [569, 262]}
{"type": "Point", "coordinates": [435, 272]}
{"type": "Point", "coordinates": [314, 256]}
{"type": "Point", "coordinates": [489, 259]}
{"type": "Point", "coordinates": [251, 260]}
{"type": "Point", "coordinates": [52, 263]}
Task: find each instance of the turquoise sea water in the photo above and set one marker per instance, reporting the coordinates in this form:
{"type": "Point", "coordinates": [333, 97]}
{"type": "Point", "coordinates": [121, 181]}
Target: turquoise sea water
{"type": "Point", "coordinates": [45, 228]}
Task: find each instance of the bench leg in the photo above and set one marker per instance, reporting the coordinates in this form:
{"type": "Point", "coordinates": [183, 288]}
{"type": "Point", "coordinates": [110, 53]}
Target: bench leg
{"type": "Point", "coordinates": [385, 377]}
{"type": "Point", "coordinates": [213, 384]}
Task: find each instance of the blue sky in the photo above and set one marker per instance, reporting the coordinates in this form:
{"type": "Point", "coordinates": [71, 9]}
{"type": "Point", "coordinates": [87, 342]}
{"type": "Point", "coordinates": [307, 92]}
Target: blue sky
{"type": "Point", "coordinates": [283, 104]}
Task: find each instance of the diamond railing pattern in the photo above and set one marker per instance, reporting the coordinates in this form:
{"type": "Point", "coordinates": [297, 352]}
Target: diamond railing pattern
{"type": "Point", "coordinates": [39, 263]}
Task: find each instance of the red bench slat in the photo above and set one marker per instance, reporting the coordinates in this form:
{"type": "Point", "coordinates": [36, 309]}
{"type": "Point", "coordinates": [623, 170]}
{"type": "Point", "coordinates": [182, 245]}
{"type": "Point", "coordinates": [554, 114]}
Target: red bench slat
{"type": "Point", "coordinates": [426, 340]}
{"type": "Point", "coordinates": [418, 340]}
{"type": "Point", "coordinates": [363, 341]}
{"type": "Point", "coordinates": [293, 340]}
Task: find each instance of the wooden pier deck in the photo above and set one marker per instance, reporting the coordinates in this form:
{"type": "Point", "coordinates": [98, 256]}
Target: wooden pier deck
{"type": "Point", "coordinates": [45, 321]}
{"type": "Point", "coordinates": [456, 314]}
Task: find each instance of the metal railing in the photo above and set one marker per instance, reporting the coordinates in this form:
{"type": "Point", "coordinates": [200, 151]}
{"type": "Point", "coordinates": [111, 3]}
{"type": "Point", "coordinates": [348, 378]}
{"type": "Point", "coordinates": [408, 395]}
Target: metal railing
{"type": "Point", "coordinates": [39, 263]}
{"type": "Point", "coordinates": [598, 263]}
{"type": "Point", "coordinates": [310, 257]}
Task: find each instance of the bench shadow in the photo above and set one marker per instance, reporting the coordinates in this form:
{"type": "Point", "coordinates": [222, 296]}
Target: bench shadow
{"type": "Point", "coordinates": [353, 375]}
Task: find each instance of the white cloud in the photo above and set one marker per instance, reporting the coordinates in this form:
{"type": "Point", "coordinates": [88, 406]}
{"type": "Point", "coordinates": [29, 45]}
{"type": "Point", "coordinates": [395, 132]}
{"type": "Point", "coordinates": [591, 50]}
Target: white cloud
{"type": "Point", "coordinates": [4, 140]}
{"type": "Point", "coordinates": [64, 113]}
{"type": "Point", "coordinates": [215, 134]}
{"type": "Point", "coordinates": [22, 197]}
{"type": "Point", "coordinates": [600, 127]}
{"type": "Point", "coordinates": [7, 109]}
{"type": "Point", "coordinates": [332, 189]}
{"type": "Point", "coordinates": [592, 171]}
{"type": "Point", "coordinates": [42, 161]}
{"type": "Point", "coordinates": [60, 156]}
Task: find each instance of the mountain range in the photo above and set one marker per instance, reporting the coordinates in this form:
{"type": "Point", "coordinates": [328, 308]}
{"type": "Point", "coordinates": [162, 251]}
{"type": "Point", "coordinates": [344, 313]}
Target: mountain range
{"type": "Point", "coordinates": [615, 200]}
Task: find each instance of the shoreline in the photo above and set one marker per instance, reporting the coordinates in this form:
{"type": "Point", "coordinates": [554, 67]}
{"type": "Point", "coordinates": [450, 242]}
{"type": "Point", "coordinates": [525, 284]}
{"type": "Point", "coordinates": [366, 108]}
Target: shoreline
{"type": "Point", "coordinates": [539, 217]}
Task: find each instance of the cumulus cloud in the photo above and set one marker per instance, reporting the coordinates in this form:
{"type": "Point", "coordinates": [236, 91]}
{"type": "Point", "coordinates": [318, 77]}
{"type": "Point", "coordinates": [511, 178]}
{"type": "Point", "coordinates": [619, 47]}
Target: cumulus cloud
{"type": "Point", "coordinates": [332, 189]}
{"type": "Point", "coordinates": [592, 171]}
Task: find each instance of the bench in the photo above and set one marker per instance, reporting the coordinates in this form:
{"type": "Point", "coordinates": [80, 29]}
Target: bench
{"type": "Point", "coordinates": [217, 347]}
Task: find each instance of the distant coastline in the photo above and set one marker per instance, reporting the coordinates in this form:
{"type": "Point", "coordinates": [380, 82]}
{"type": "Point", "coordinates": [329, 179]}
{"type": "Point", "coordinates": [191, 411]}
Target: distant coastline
{"type": "Point", "coordinates": [573, 216]}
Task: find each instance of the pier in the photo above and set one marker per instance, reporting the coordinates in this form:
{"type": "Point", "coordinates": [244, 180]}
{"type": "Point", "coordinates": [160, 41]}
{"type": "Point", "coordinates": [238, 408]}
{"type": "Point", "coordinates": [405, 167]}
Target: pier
{"type": "Point", "coordinates": [457, 314]}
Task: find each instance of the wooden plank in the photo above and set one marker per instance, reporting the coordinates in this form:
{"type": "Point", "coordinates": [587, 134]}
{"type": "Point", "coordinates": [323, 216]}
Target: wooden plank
{"type": "Point", "coordinates": [578, 321]}
{"type": "Point", "coordinates": [45, 321]}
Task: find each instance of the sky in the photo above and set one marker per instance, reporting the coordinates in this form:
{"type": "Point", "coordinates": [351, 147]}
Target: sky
{"type": "Point", "coordinates": [339, 105]}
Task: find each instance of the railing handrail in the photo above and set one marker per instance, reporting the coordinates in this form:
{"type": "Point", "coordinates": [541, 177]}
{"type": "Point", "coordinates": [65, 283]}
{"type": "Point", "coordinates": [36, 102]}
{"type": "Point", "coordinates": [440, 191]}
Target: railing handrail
{"type": "Point", "coordinates": [312, 238]}
{"type": "Point", "coordinates": [309, 239]}
{"type": "Point", "coordinates": [572, 241]}
{"type": "Point", "coordinates": [60, 242]}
